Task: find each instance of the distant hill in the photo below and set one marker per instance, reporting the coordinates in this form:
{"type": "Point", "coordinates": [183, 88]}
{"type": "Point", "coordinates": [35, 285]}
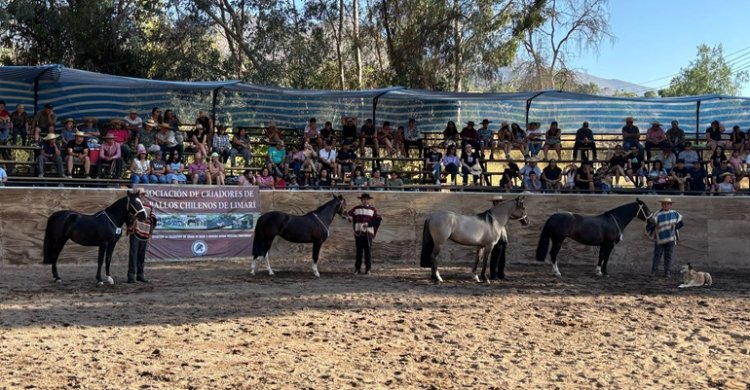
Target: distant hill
{"type": "Point", "coordinates": [608, 87]}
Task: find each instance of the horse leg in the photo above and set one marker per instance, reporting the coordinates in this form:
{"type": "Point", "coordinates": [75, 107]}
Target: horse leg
{"type": "Point", "coordinates": [268, 265]}
{"type": "Point", "coordinates": [100, 261]}
{"type": "Point", "coordinates": [316, 253]}
{"type": "Point", "coordinates": [476, 264]}
{"type": "Point", "coordinates": [252, 266]}
{"type": "Point", "coordinates": [485, 257]}
{"type": "Point", "coordinates": [434, 256]}
{"type": "Point", "coordinates": [556, 245]}
{"type": "Point", "coordinates": [54, 254]}
{"type": "Point", "coordinates": [110, 249]}
{"type": "Point", "coordinates": [604, 253]}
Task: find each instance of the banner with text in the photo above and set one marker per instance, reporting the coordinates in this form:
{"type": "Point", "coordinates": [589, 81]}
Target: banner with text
{"type": "Point", "coordinates": [202, 221]}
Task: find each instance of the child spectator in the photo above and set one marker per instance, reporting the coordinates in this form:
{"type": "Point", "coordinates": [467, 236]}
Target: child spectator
{"type": "Point", "coordinates": [216, 171]}
{"type": "Point", "coordinates": [278, 182]}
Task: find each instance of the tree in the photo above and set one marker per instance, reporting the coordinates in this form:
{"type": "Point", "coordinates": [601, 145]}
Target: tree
{"type": "Point", "coordinates": [709, 73]}
{"type": "Point", "coordinates": [570, 26]}
{"type": "Point", "coordinates": [650, 94]}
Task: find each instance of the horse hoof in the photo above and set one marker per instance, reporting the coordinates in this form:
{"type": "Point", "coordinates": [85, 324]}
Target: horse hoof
{"type": "Point", "coordinates": [317, 274]}
{"type": "Point", "coordinates": [58, 280]}
{"type": "Point", "coordinates": [476, 278]}
{"type": "Point", "coordinates": [270, 273]}
{"type": "Point", "coordinates": [110, 280]}
{"type": "Point", "coordinates": [100, 283]}
{"type": "Point", "coordinates": [252, 273]}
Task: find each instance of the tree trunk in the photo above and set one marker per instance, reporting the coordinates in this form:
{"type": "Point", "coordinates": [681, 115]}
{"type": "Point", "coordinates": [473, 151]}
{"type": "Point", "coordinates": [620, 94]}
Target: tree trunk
{"type": "Point", "coordinates": [342, 81]}
{"type": "Point", "coordinates": [357, 50]}
{"type": "Point", "coordinates": [457, 51]}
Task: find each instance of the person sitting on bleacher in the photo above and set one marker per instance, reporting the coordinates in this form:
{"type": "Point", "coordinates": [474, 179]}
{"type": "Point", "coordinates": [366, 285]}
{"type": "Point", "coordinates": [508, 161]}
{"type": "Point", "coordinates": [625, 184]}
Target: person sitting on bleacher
{"type": "Point", "coordinates": [50, 152]}
{"type": "Point", "coordinates": [5, 124]}
{"type": "Point", "coordinates": [451, 162]}
{"type": "Point", "coordinates": [349, 129]}
{"type": "Point", "coordinates": [368, 136]}
{"type": "Point", "coordinates": [385, 138]}
{"type": "Point", "coordinates": [658, 178]}
{"type": "Point", "coordinates": [450, 134]}
{"type": "Point", "coordinates": [198, 170]}
{"type": "Point", "coordinates": [527, 169]}
{"type": "Point", "coordinates": [505, 139]}
{"type": "Point", "coordinates": [20, 121]}
{"type": "Point", "coordinates": [273, 134]}
{"type": "Point", "coordinates": [618, 165]}
{"type": "Point", "coordinates": [122, 137]}
{"type": "Point", "coordinates": [276, 162]}
{"type": "Point", "coordinates": [199, 136]}
{"type": "Point", "coordinates": [552, 177]}
{"type": "Point", "coordinates": [486, 139]}
{"type": "Point", "coordinates": [78, 153]}
{"type": "Point", "coordinates": [247, 178]}
{"type": "Point", "coordinates": [656, 138]}
{"type": "Point", "coordinates": [376, 181]}
{"type": "Point", "coordinates": [432, 163]}
{"type": "Point", "coordinates": [413, 137]}
{"type": "Point", "coordinates": [158, 170]}
{"type": "Point", "coordinates": [68, 132]}
{"type": "Point", "coordinates": [358, 178]}
{"type": "Point", "coordinates": [723, 168]}
{"type": "Point", "coordinates": [698, 177]}
{"type": "Point", "coordinates": [327, 158]}
{"type": "Point", "coordinates": [470, 136]}
{"type": "Point", "coordinates": [312, 135]}
{"type": "Point", "coordinates": [667, 158]}
{"type": "Point", "coordinates": [518, 139]}
{"type": "Point", "coordinates": [294, 159]}
{"type": "Point", "coordinates": [328, 134]}
{"type": "Point", "coordinates": [510, 174]}
{"type": "Point", "coordinates": [680, 176]}
{"type": "Point", "coordinates": [584, 139]}
{"type": "Point", "coordinates": [717, 157]}
{"type": "Point", "coordinates": [470, 164]}
{"type": "Point", "coordinates": [3, 177]}
{"type": "Point", "coordinates": [45, 118]}
{"type": "Point", "coordinates": [725, 184]}
{"type": "Point", "coordinates": [688, 154]}
{"type": "Point", "coordinates": [714, 136]}
{"type": "Point", "coordinates": [208, 124]}
{"type": "Point", "coordinates": [140, 168]}
{"type": "Point", "coordinates": [346, 159]}
{"type": "Point", "coordinates": [111, 154]}
{"type": "Point", "coordinates": [221, 143]}
{"type": "Point", "coordinates": [240, 145]}
{"type": "Point", "coordinates": [584, 177]}
{"type": "Point", "coordinates": [534, 137]}
{"type": "Point", "coordinates": [738, 139]}
{"type": "Point", "coordinates": [175, 169]}
{"type": "Point", "coordinates": [553, 140]}
{"type": "Point", "coordinates": [92, 133]}
{"type": "Point", "coordinates": [631, 135]}
{"type": "Point", "coordinates": [676, 138]}
{"type": "Point", "coordinates": [216, 172]}
{"type": "Point", "coordinates": [132, 121]}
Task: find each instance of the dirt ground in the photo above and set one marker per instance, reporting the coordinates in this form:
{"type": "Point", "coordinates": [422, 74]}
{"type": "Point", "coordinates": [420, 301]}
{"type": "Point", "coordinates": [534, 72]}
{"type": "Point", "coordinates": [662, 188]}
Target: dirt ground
{"type": "Point", "coordinates": [210, 325]}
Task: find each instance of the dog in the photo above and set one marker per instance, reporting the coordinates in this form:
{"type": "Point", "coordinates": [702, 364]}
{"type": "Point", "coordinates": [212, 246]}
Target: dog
{"type": "Point", "coordinates": [693, 278]}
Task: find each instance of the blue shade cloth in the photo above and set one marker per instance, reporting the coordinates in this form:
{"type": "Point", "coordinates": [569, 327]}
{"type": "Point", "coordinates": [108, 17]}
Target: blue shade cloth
{"type": "Point", "coordinates": [78, 94]}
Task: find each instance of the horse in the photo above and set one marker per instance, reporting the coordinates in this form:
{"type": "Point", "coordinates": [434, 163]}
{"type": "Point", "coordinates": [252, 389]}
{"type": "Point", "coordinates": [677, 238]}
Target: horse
{"type": "Point", "coordinates": [604, 230]}
{"type": "Point", "coordinates": [309, 228]}
{"type": "Point", "coordinates": [483, 231]}
{"type": "Point", "coordinates": [102, 229]}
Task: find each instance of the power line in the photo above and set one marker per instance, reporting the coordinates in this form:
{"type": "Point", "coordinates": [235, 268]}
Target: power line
{"type": "Point", "coordinates": [730, 63]}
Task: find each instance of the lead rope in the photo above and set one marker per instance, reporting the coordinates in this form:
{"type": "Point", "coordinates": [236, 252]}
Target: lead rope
{"type": "Point", "coordinates": [618, 227]}
{"type": "Point", "coordinates": [321, 222]}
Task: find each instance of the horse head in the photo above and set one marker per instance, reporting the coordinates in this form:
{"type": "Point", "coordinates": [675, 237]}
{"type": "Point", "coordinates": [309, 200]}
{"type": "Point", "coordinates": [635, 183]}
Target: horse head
{"type": "Point", "coordinates": [643, 213]}
{"type": "Point", "coordinates": [341, 209]}
{"type": "Point", "coordinates": [519, 213]}
{"type": "Point", "coordinates": [136, 209]}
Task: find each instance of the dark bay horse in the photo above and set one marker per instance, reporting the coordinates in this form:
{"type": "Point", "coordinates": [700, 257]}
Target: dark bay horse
{"type": "Point", "coordinates": [309, 228]}
{"type": "Point", "coordinates": [604, 230]}
{"type": "Point", "coordinates": [102, 229]}
{"type": "Point", "coordinates": [483, 231]}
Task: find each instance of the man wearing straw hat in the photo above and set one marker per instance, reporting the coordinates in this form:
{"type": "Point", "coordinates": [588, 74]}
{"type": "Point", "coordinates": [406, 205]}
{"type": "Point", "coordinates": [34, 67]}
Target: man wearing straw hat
{"type": "Point", "coordinates": [365, 220]}
{"type": "Point", "coordinates": [78, 152]}
{"type": "Point", "coordinates": [662, 229]}
{"type": "Point", "coordinates": [50, 152]}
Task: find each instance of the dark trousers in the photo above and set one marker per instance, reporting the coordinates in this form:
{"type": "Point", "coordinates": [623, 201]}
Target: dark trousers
{"type": "Point", "coordinates": [659, 250]}
{"type": "Point", "coordinates": [363, 243]}
{"type": "Point", "coordinates": [580, 144]}
{"type": "Point", "coordinates": [418, 143]}
{"type": "Point", "coordinates": [137, 257]}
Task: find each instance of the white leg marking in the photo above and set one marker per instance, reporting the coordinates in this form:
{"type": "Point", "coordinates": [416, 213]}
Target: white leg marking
{"type": "Point", "coordinates": [315, 270]}
{"type": "Point", "coordinates": [439, 279]}
{"type": "Point", "coordinates": [268, 265]}
{"type": "Point", "coordinates": [556, 270]}
{"type": "Point", "coordinates": [476, 278]}
{"type": "Point", "coordinates": [598, 271]}
{"type": "Point", "coordinates": [110, 280]}
{"type": "Point", "coordinates": [252, 267]}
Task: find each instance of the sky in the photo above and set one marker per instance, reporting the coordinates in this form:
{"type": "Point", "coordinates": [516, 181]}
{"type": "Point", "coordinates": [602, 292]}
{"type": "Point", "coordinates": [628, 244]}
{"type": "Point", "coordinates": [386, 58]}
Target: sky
{"type": "Point", "coordinates": [655, 38]}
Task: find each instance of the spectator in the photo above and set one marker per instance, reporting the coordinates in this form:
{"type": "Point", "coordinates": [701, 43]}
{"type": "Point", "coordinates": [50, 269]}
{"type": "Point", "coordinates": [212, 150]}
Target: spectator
{"type": "Point", "coordinates": [631, 136]}
{"type": "Point", "coordinates": [656, 138]}
{"type": "Point", "coordinates": [291, 183]}
{"type": "Point", "coordinates": [450, 134]}
{"type": "Point", "coordinates": [208, 127]}
{"type": "Point", "coordinates": [198, 170]}
{"type": "Point", "coordinates": [349, 129]}
{"type": "Point", "coordinates": [584, 139]}
{"type": "Point", "coordinates": [140, 168]}
{"type": "Point", "coordinates": [133, 122]}
{"type": "Point", "coordinates": [735, 161]}
{"type": "Point", "coordinates": [3, 177]}
{"type": "Point", "coordinates": [553, 140]}
{"type": "Point", "coordinates": [667, 158]}
{"type": "Point", "coordinates": [294, 160]}
{"type": "Point", "coordinates": [278, 182]}
{"type": "Point", "coordinates": [19, 119]}
{"type": "Point", "coordinates": [158, 170]}
{"type": "Point", "coordinates": [199, 136]}
{"type": "Point", "coordinates": [376, 181]}
{"type": "Point", "coordinates": [92, 132]}
{"type": "Point", "coordinates": [358, 178]}
{"type": "Point", "coordinates": [174, 125]}
{"type": "Point", "coordinates": [69, 131]}
{"type": "Point", "coordinates": [413, 137]}
{"type": "Point", "coordinates": [658, 179]}
{"type": "Point", "coordinates": [327, 158]}
{"type": "Point", "coordinates": [175, 169]}
{"type": "Point", "coordinates": [111, 155]}
{"type": "Point", "coordinates": [618, 165]}
{"type": "Point", "coordinates": [552, 177]}
{"type": "Point", "coordinates": [221, 143]}
{"type": "Point", "coordinates": [723, 167]}
{"type": "Point", "coordinates": [518, 139]}
{"type": "Point", "coordinates": [122, 137]}
{"type": "Point", "coordinates": [738, 139]}
{"type": "Point", "coordinates": [277, 160]}
{"type": "Point", "coordinates": [680, 176]}
{"type": "Point", "coordinates": [717, 156]}
{"type": "Point", "coordinates": [324, 180]}
{"type": "Point", "coordinates": [240, 145]}
{"type": "Point", "coordinates": [510, 174]}
{"type": "Point", "coordinates": [714, 136]}
{"type": "Point", "coordinates": [273, 134]}
{"type": "Point", "coordinates": [529, 167]}
{"type": "Point", "coordinates": [533, 184]}
{"type": "Point", "coordinates": [584, 178]}
{"type": "Point", "coordinates": [328, 134]}
{"type": "Point", "coordinates": [368, 137]}
{"type": "Point", "coordinates": [167, 142]}
{"type": "Point", "coordinates": [676, 138]}
{"type": "Point", "coordinates": [688, 154]}
{"type": "Point", "coordinates": [247, 178]}
{"type": "Point", "coordinates": [635, 165]}
{"type": "Point", "coordinates": [486, 139]}
{"type": "Point", "coordinates": [346, 159]}
{"type": "Point", "coordinates": [470, 164]}
{"type": "Point", "coordinates": [5, 125]}
{"type": "Point", "coordinates": [48, 153]}
{"type": "Point", "coordinates": [394, 181]}
{"type": "Point", "coordinates": [216, 172]}
{"type": "Point", "coordinates": [385, 138]}
{"type": "Point", "coordinates": [504, 139]}
{"type": "Point", "coordinates": [78, 153]}
{"type": "Point", "coordinates": [470, 136]}
{"type": "Point", "coordinates": [570, 172]}
{"type": "Point", "coordinates": [312, 135]}
{"type": "Point", "coordinates": [45, 118]}
{"type": "Point", "coordinates": [534, 137]}
{"type": "Point", "coordinates": [603, 178]}
{"type": "Point", "coordinates": [698, 176]}
{"type": "Point", "coordinates": [264, 179]}
{"type": "Point", "coordinates": [725, 185]}
{"type": "Point", "coordinates": [432, 163]}
{"type": "Point", "coordinates": [156, 116]}
{"type": "Point", "coordinates": [451, 163]}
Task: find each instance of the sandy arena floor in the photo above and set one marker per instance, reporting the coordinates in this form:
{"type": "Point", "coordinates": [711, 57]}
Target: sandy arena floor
{"type": "Point", "coordinates": [213, 326]}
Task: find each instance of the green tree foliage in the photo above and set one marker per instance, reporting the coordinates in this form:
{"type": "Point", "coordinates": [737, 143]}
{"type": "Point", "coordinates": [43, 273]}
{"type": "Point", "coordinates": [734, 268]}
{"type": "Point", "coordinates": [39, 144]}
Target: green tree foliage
{"type": "Point", "coordinates": [709, 73]}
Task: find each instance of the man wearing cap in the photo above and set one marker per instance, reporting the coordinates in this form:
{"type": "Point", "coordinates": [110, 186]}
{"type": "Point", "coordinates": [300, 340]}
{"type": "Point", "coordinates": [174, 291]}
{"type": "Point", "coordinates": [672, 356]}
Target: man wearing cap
{"type": "Point", "coordinates": [365, 221]}
{"type": "Point", "coordinates": [50, 152]}
{"type": "Point", "coordinates": [662, 228]}
{"type": "Point", "coordinates": [584, 139]}
{"type": "Point", "coordinates": [656, 138]}
{"type": "Point", "coordinates": [78, 152]}
{"type": "Point", "coordinates": [470, 136]}
{"type": "Point", "coordinates": [631, 135]}
{"type": "Point", "coordinates": [45, 118]}
{"type": "Point", "coordinates": [92, 133]}
{"type": "Point", "coordinates": [111, 155]}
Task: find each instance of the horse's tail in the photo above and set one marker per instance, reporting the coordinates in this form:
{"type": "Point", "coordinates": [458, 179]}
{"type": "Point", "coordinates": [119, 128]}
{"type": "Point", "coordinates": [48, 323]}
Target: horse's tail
{"type": "Point", "coordinates": [49, 236]}
{"type": "Point", "coordinates": [543, 246]}
{"type": "Point", "coordinates": [428, 244]}
{"type": "Point", "coordinates": [260, 242]}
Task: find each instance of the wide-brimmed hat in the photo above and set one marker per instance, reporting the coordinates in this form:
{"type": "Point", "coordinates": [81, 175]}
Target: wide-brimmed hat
{"type": "Point", "coordinates": [725, 174]}
{"type": "Point", "coordinates": [486, 121]}
{"type": "Point", "coordinates": [150, 122]}
{"type": "Point", "coordinates": [470, 123]}
{"type": "Point", "coordinates": [141, 149]}
{"type": "Point", "coordinates": [132, 111]}
{"type": "Point", "coordinates": [665, 200]}
{"type": "Point", "coordinates": [109, 136]}
{"type": "Point", "coordinates": [655, 123]}
{"type": "Point", "coordinates": [214, 154]}
{"type": "Point", "coordinates": [364, 195]}
{"type": "Point", "coordinates": [70, 120]}
{"type": "Point", "coordinates": [80, 134]}
{"type": "Point", "coordinates": [629, 119]}
{"type": "Point", "coordinates": [51, 136]}
{"type": "Point", "coordinates": [496, 198]}
{"type": "Point", "coordinates": [164, 125]}
{"type": "Point", "coordinates": [115, 121]}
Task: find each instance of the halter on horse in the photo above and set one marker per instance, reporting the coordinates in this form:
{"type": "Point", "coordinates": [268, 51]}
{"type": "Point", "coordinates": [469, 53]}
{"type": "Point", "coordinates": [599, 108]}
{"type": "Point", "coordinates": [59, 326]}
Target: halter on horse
{"type": "Point", "coordinates": [604, 230]}
{"type": "Point", "coordinates": [483, 231]}
{"type": "Point", "coordinates": [102, 229]}
{"type": "Point", "coordinates": [312, 227]}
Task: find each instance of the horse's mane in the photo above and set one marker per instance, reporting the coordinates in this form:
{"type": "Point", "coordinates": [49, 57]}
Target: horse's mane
{"type": "Point", "coordinates": [486, 216]}
{"type": "Point", "coordinates": [325, 205]}
{"type": "Point", "coordinates": [620, 211]}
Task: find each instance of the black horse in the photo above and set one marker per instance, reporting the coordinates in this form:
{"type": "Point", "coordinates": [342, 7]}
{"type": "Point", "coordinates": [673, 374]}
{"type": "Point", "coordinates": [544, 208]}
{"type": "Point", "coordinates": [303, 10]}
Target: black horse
{"type": "Point", "coordinates": [603, 230]}
{"type": "Point", "coordinates": [311, 227]}
{"type": "Point", "coordinates": [102, 229]}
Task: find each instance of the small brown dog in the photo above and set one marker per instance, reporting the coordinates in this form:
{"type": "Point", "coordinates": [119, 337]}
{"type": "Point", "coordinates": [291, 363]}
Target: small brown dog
{"type": "Point", "coordinates": [693, 278]}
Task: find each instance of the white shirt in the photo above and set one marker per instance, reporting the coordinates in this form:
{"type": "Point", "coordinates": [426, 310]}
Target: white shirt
{"type": "Point", "coordinates": [327, 155]}
{"type": "Point", "coordinates": [133, 122]}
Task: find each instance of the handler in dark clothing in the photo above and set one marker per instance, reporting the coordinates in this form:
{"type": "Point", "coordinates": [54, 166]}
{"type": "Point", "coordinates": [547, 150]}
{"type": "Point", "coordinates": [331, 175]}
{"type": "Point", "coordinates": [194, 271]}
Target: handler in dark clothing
{"type": "Point", "coordinates": [140, 231]}
{"type": "Point", "coordinates": [365, 220]}
{"type": "Point", "coordinates": [584, 139]}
